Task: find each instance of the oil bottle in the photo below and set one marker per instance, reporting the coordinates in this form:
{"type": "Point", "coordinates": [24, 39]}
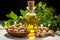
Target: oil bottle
{"type": "Point", "coordinates": [31, 19]}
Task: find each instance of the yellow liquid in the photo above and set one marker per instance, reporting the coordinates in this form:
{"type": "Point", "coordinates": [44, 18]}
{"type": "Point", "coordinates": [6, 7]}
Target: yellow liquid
{"type": "Point", "coordinates": [31, 23]}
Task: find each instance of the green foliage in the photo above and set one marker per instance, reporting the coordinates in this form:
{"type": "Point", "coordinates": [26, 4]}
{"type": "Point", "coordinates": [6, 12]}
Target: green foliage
{"type": "Point", "coordinates": [9, 23]}
{"type": "Point", "coordinates": [58, 22]}
{"type": "Point", "coordinates": [20, 20]}
{"type": "Point", "coordinates": [14, 18]}
{"type": "Point", "coordinates": [23, 12]}
{"type": "Point", "coordinates": [12, 15]}
{"type": "Point", "coordinates": [41, 4]}
{"type": "Point", "coordinates": [45, 14]}
{"type": "Point", "coordinates": [53, 25]}
{"type": "Point", "coordinates": [3, 24]}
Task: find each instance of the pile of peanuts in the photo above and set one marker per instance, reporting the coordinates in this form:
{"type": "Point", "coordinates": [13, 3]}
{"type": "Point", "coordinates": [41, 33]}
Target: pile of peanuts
{"type": "Point", "coordinates": [17, 28]}
{"type": "Point", "coordinates": [44, 31]}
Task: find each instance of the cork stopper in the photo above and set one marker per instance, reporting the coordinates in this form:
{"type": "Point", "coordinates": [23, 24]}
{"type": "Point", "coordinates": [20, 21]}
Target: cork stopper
{"type": "Point", "coordinates": [31, 5]}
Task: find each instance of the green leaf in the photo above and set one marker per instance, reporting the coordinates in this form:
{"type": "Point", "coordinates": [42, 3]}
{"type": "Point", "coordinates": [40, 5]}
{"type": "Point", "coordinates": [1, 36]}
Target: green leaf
{"type": "Point", "coordinates": [12, 15]}
{"type": "Point", "coordinates": [23, 12]}
{"type": "Point", "coordinates": [20, 20]}
{"type": "Point", "coordinates": [40, 4]}
{"type": "Point", "coordinates": [44, 5]}
{"type": "Point", "coordinates": [45, 14]}
{"type": "Point", "coordinates": [58, 18]}
{"type": "Point", "coordinates": [53, 25]}
{"type": "Point", "coordinates": [8, 15]}
{"type": "Point", "coordinates": [3, 24]}
{"type": "Point", "coordinates": [9, 23]}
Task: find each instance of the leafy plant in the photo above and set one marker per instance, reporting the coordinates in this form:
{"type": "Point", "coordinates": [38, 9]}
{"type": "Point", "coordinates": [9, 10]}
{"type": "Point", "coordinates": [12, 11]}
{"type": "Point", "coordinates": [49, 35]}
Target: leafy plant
{"type": "Point", "coordinates": [14, 18]}
{"type": "Point", "coordinates": [45, 16]}
{"type": "Point", "coordinates": [23, 12]}
{"type": "Point", "coordinates": [58, 22]}
{"type": "Point", "coordinates": [20, 20]}
{"type": "Point", "coordinates": [3, 24]}
{"type": "Point", "coordinates": [9, 23]}
{"type": "Point", "coordinates": [12, 15]}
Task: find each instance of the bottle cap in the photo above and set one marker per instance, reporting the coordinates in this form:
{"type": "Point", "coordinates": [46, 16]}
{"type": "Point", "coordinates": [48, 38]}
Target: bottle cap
{"type": "Point", "coordinates": [31, 4]}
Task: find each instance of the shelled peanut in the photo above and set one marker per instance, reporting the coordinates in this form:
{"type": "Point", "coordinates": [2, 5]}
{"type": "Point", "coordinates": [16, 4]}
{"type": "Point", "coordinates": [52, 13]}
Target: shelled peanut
{"type": "Point", "coordinates": [44, 31]}
{"type": "Point", "coordinates": [17, 28]}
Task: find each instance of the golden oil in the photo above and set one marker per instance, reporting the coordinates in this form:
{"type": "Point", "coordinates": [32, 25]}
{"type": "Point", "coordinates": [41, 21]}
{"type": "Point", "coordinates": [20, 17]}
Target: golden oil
{"type": "Point", "coordinates": [31, 21]}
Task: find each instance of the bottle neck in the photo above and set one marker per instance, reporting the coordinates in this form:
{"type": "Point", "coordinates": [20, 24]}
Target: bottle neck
{"type": "Point", "coordinates": [31, 11]}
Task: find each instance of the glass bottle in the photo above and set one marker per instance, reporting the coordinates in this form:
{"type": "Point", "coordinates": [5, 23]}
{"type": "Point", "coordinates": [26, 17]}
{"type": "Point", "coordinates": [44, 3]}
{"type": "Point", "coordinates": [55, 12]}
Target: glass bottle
{"type": "Point", "coordinates": [31, 19]}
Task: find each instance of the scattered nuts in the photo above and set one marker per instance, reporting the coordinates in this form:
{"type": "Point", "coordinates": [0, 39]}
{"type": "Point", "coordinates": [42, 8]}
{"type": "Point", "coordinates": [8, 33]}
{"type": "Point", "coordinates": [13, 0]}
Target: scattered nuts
{"type": "Point", "coordinates": [44, 31]}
